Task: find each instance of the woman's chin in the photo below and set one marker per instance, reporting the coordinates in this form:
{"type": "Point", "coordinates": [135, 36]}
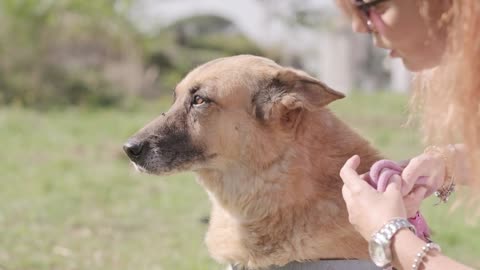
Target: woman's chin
{"type": "Point", "coordinates": [416, 66]}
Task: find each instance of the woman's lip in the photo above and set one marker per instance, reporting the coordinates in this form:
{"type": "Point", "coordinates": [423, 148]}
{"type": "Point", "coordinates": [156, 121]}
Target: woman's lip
{"type": "Point", "coordinates": [393, 54]}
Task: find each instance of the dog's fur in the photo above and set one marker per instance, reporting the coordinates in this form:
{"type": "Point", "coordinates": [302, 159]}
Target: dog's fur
{"type": "Point", "coordinates": [268, 153]}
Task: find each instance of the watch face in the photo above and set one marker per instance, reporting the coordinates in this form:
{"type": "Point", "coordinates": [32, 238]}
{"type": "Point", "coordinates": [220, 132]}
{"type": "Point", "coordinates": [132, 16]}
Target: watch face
{"type": "Point", "coordinates": [378, 251]}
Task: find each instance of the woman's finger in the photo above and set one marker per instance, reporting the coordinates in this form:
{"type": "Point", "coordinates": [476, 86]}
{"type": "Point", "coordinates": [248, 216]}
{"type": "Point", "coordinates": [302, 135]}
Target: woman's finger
{"type": "Point", "coordinates": [395, 185]}
{"type": "Point", "coordinates": [349, 174]}
{"type": "Point", "coordinates": [346, 194]}
{"type": "Point", "coordinates": [413, 171]}
{"type": "Point", "coordinates": [366, 177]}
{"type": "Point", "coordinates": [414, 200]}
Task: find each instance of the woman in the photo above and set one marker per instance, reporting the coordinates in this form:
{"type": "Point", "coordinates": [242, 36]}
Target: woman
{"type": "Point", "coordinates": [439, 39]}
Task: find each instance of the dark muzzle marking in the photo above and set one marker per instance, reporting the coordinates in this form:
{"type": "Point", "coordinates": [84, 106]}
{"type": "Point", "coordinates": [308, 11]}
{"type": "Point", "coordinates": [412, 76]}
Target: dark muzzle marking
{"type": "Point", "coordinates": [165, 146]}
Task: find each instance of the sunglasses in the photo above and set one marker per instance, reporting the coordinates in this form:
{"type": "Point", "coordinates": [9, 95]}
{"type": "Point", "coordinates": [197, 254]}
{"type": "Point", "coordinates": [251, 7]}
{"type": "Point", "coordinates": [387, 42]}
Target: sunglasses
{"type": "Point", "coordinates": [365, 8]}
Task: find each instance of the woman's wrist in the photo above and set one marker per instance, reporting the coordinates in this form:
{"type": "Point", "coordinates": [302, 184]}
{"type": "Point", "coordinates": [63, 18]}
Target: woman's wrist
{"type": "Point", "coordinates": [380, 244]}
{"type": "Point", "coordinates": [405, 245]}
{"type": "Point", "coordinates": [447, 155]}
{"type": "Point", "coordinates": [445, 185]}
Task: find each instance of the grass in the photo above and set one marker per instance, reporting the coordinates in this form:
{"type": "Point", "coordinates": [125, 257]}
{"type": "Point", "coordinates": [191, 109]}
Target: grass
{"type": "Point", "coordinates": [70, 200]}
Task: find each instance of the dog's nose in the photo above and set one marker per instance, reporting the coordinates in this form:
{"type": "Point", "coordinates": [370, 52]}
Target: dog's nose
{"type": "Point", "coordinates": [133, 148]}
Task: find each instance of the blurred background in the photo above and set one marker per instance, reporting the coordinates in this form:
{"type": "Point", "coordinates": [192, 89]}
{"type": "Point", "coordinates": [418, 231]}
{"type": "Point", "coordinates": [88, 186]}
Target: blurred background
{"type": "Point", "coordinates": [77, 78]}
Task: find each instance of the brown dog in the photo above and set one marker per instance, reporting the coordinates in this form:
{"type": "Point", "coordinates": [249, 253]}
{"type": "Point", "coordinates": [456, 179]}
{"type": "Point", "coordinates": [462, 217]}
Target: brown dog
{"type": "Point", "coordinates": [268, 152]}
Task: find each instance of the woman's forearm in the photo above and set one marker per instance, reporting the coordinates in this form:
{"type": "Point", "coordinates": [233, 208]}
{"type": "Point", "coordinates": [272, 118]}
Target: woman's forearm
{"type": "Point", "coordinates": [406, 245]}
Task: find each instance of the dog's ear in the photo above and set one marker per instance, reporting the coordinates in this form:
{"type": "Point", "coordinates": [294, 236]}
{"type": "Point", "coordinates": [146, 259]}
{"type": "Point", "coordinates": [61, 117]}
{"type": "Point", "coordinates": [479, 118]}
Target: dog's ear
{"type": "Point", "coordinates": [289, 93]}
{"type": "Point", "coordinates": [311, 92]}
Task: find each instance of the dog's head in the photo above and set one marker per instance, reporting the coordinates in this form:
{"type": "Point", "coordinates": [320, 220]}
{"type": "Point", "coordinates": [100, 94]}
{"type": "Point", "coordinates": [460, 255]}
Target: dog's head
{"type": "Point", "coordinates": [235, 110]}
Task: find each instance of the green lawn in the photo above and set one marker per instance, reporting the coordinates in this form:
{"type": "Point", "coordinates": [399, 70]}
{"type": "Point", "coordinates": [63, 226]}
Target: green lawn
{"type": "Point", "coordinates": [70, 200]}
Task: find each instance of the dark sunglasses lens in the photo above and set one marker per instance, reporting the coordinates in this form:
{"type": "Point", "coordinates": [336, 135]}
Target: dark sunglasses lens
{"type": "Point", "coordinates": [366, 11]}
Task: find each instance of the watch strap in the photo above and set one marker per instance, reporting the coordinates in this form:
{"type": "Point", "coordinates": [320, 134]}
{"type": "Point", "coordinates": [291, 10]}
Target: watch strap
{"type": "Point", "coordinates": [393, 226]}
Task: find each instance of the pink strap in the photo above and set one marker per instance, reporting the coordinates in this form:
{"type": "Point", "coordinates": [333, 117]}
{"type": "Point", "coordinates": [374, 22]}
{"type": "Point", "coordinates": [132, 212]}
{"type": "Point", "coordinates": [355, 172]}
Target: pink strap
{"type": "Point", "coordinates": [380, 176]}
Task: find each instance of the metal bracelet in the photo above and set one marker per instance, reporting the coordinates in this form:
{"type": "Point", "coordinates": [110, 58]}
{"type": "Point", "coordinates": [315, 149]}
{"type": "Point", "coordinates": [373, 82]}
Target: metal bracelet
{"type": "Point", "coordinates": [417, 262]}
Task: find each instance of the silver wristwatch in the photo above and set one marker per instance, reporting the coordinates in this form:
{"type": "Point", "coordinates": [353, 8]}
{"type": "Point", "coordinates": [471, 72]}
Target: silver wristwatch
{"type": "Point", "coordinates": [379, 246]}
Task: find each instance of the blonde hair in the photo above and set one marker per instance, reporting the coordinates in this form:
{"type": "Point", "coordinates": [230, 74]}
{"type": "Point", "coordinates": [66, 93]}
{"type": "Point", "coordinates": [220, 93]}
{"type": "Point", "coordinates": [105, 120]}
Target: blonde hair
{"type": "Point", "coordinates": [447, 98]}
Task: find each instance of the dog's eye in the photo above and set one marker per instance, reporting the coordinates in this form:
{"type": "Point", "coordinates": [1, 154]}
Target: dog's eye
{"type": "Point", "coordinates": [198, 100]}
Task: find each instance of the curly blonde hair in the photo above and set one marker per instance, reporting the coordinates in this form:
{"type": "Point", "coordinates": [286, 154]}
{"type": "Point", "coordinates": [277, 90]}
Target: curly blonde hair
{"type": "Point", "coordinates": [447, 97]}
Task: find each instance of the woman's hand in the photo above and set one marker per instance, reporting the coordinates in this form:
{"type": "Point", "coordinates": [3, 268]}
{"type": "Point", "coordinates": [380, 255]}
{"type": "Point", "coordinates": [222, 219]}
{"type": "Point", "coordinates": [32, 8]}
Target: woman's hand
{"type": "Point", "coordinates": [430, 166]}
{"type": "Point", "coordinates": [413, 200]}
{"type": "Point", "coordinates": [368, 209]}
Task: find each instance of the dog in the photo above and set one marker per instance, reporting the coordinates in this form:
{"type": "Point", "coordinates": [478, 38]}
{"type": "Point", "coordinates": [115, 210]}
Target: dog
{"type": "Point", "coordinates": [268, 152]}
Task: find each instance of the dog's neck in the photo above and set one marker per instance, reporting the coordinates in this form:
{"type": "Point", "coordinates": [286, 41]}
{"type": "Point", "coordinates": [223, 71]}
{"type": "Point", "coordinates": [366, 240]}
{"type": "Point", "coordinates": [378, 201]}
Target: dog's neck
{"type": "Point", "coordinates": [252, 195]}
{"type": "Point", "coordinates": [306, 173]}
{"type": "Point", "coordinates": [292, 209]}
